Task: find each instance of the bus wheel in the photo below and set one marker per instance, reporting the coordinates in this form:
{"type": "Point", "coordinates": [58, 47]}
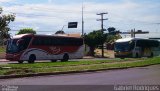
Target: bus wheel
{"type": "Point", "coordinates": [65, 58]}
{"type": "Point", "coordinates": [20, 61]}
{"type": "Point", "coordinates": [53, 60]}
{"type": "Point", "coordinates": [32, 58]}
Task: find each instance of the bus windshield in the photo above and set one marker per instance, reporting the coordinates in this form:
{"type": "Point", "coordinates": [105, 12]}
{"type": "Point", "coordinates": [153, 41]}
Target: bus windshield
{"type": "Point", "coordinates": [17, 45]}
{"type": "Point", "coordinates": [12, 46]}
{"type": "Point", "coordinates": [124, 46]}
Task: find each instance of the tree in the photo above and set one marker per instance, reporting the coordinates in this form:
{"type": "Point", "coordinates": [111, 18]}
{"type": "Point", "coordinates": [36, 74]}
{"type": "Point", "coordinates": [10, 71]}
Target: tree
{"type": "Point", "coordinates": [26, 30]}
{"type": "Point", "coordinates": [111, 29]}
{"type": "Point", "coordinates": [4, 22]}
{"type": "Point", "coordinates": [113, 35]}
{"type": "Point", "coordinates": [93, 39]}
{"type": "Point", "coordinates": [112, 38]}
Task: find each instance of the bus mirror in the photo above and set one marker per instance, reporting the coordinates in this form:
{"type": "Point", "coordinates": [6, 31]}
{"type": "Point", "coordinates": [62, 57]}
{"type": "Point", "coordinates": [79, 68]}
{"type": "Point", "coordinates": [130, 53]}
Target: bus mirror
{"type": "Point", "coordinates": [20, 42]}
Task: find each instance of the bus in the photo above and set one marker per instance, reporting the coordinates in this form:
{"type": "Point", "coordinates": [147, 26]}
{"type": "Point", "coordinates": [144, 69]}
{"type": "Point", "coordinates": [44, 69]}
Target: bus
{"type": "Point", "coordinates": [31, 47]}
{"type": "Point", "coordinates": [136, 48]}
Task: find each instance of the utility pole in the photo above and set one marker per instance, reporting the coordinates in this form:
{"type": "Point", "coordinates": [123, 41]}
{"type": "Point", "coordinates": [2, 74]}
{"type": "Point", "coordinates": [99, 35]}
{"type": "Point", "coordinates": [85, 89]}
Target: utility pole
{"type": "Point", "coordinates": [132, 33]}
{"type": "Point", "coordinates": [82, 21]}
{"type": "Point", "coordinates": [102, 29]}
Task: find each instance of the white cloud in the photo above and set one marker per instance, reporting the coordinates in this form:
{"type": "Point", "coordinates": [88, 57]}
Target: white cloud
{"type": "Point", "coordinates": [50, 1]}
{"type": "Point", "coordinates": [2, 1]}
{"type": "Point", "coordinates": [52, 16]}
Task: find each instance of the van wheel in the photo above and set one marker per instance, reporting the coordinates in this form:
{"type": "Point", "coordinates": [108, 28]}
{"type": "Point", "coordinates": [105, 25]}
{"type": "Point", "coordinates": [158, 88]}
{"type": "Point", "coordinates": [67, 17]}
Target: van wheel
{"type": "Point", "coordinates": [32, 58]}
{"type": "Point", "coordinates": [65, 58]}
{"type": "Point", "coordinates": [20, 61]}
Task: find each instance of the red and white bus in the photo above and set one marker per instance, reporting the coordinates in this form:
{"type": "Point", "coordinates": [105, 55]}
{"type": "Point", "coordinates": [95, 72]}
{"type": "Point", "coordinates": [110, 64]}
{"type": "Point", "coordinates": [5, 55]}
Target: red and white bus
{"type": "Point", "coordinates": [30, 47]}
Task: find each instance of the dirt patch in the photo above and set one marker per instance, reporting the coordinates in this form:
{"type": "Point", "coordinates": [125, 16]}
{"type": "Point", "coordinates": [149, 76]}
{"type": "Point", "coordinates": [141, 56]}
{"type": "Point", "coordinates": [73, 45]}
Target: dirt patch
{"type": "Point", "coordinates": [107, 53]}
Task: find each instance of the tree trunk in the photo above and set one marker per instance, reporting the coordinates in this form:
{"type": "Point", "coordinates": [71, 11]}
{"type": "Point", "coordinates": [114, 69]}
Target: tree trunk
{"type": "Point", "coordinates": [91, 51]}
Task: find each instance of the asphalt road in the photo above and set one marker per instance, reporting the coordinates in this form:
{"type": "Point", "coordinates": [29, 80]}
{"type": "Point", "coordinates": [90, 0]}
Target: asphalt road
{"type": "Point", "coordinates": [95, 81]}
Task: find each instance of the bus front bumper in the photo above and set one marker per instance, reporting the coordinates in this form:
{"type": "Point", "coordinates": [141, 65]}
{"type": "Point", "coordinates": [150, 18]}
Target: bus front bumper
{"type": "Point", "coordinates": [12, 57]}
{"type": "Point", "coordinates": [123, 54]}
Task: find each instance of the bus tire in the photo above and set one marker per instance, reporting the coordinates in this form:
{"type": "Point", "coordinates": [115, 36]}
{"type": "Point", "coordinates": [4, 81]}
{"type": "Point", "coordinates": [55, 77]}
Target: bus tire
{"type": "Point", "coordinates": [53, 60]}
{"type": "Point", "coordinates": [32, 58]}
{"type": "Point", "coordinates": [65, 58]}
{"type": "Point", "coordinates": [20, 61]}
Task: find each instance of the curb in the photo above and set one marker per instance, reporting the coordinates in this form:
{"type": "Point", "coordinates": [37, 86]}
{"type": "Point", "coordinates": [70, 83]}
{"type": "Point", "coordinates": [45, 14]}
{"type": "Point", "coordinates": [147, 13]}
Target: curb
{"type": "Point", "coordinates": [3, 60]}
{"type": "Point", "coordinates": [60, 73]}
{"type": "Point", "coordinates": [57, 73]}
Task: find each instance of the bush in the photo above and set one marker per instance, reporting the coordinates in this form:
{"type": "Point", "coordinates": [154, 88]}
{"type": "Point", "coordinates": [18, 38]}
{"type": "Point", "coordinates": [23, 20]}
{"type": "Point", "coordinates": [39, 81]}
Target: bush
{"type": "Point", "coordinates": [27, 30]}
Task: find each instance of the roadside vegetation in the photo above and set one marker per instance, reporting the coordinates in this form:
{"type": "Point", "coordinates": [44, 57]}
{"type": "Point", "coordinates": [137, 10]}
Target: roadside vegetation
{"type": "Point", "coordinates": [96, 38]}
{"type": "Point", "coordinates": [26, 30]}
{"type": "Point", "coordinates": [5, 20]}
{"type": "Point", "coordinates": [2, 52]}
{"type": "Point", "coordinates": [74, 66]}
{"type": "Point", "coordinates": [2, 49]}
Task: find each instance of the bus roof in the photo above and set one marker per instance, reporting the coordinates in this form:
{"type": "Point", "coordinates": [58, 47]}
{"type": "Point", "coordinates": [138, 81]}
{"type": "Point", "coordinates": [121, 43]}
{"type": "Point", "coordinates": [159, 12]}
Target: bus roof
{"type": "Point", "coordinates": [128, 39]}
{"type": "Point", "coordinates": [22, 35]}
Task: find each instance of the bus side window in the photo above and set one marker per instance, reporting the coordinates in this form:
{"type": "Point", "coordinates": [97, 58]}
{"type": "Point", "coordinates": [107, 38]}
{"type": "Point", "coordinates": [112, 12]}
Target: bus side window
{"type": "Point", "coordinates": [80, 42]}
{"type": "Point", "coordinates": [132, 45]}
{"type": "Point", "coordinates": [26, 42]}
{"type": "Point", "coordinates": [66, 41]}
{"type": "Point", "coordinates": [46, 41]}
{"type": "Point", "coordinates": [36, 41]}
{"type": "Point", "coordinates": [55, 41]}
{"type": "Point", "coordinates": [49, 41]}
{"type": "Point", "coordinates": [63, 41]}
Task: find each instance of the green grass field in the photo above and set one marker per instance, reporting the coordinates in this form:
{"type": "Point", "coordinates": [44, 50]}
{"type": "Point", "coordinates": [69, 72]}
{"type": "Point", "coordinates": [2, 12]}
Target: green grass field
{"type": "Point", "coordinates": [22, 69]}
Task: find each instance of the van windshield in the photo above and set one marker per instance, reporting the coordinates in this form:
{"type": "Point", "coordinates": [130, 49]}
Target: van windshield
{"type": "Point", "coordinates": [124, 46]}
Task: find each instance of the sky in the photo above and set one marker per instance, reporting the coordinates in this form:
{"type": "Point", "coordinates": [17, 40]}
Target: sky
{"type": "Point", "coordinates": [49, 16]}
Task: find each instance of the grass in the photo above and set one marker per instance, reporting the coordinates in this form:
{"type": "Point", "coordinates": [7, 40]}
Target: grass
{"type": "Point", "coordinates": [2, 49]}
{"type": "Point", "coordinates": [16, 69]}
